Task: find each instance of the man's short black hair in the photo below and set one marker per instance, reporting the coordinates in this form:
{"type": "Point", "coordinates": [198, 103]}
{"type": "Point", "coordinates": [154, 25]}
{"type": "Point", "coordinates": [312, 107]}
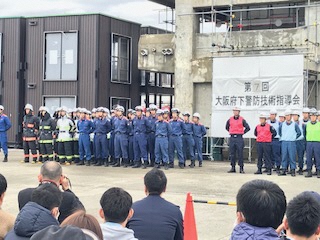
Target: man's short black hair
{"type": "Point", "coordinates": [155, 181]}
{"type": "Point", "coordinates": [3, 184]}
{"type": "Point", "coordinates": [262, 203]}
{"type": "Point", "coordinates": [47, 195]}
{"type": "Point", "coordinates": [303, 214]}
{"type": "Point", "coordinates": [116, 204]}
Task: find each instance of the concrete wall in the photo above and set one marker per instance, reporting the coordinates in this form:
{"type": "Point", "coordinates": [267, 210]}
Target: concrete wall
{"type": "Point", "coordinates": [206, 3]}
{"type": "Point", "coordinates": [203, 102]}
{"type": "Point", "coordinates": [155, 61]}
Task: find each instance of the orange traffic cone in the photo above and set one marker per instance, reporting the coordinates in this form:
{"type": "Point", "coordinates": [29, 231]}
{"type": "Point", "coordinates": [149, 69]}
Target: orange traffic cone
{"type": "Point", "coordinates": [190, 228]}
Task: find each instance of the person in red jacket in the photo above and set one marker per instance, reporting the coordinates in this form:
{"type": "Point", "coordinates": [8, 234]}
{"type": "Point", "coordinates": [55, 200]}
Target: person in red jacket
{"type": "Point", "coordinates": [237, 127]}
{"type": "Point", "coordinates": [264, 133]}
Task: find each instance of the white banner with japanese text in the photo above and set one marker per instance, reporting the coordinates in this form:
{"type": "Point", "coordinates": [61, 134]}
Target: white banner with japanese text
{"type": "Point", "coordinates": [255, 84]}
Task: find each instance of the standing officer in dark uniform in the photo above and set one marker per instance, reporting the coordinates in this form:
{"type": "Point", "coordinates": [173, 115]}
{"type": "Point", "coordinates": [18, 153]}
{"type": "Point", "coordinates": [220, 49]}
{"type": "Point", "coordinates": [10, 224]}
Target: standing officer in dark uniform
{"type": "Point", "coordinates": [47, 128]}
{"type": "Point", "coordinates": [199, 131]}
{"type": "Point", "coordinates": [131, 116]}
{"type": "Point", "coordinates": [151, 134]}
{"type": "Point", "coordinates": [237, 127]}
{"type": "Point", "coordinates": [140, 128]}
{"type": "Point", "coordinates": [121, 137]}
{"type": "Point", "coordinates": [188, 140]}
{"type": "Point", "coordinates": [175, 139]}
{"type": "Point", "coordinates": [162, 131]}
{"type": "Point", "coordinates": [85, 127]}
{"type": "Point", "coordinates": [102, 127]}
{"type": "Point", "coordinates": [276, 144]}
{"type": "Point", "coordinates": [111, 140]}
{"type": "Point", "coordinates": [5, 125]}
{"type": "Point", "coordinates": [30, 131]}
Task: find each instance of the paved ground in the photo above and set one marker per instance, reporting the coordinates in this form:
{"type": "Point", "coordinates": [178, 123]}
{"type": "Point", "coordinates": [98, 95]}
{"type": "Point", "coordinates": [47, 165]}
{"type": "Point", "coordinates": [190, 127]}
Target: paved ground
{"type": "Point", "coordinates": [208, 183]}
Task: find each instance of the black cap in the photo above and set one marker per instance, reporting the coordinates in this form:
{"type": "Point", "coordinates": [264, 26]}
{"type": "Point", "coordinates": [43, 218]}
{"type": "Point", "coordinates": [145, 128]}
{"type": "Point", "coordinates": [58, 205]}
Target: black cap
{"type": "Point", "coordinates": [64, 233]}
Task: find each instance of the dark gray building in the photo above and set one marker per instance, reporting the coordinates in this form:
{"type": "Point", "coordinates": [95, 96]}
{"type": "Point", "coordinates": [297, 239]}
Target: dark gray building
{"type": "Point", "coordinates": [77, 60]}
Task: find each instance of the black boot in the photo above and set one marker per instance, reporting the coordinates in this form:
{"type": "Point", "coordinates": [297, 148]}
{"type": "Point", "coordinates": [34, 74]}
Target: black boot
{"type": "Point", "coordinates": [112, 161]}
{"type": "Point", "coordinates": [282, 173]}
{"type": "Point", "coordinates": [152, 163]}
{"type": "Point", "coordinates": [232, 170]}
{"type": "Point", "coordinates": [300, 171]}
{"type": "Point", "coordinates": [318, 173]}
{"type": "Point", "coordinates": [166, 166]}
{"type": "Point", "coordinates": [192, 165]}
{"type": "Point", "coordinates": [131, 163]}
{"type": "Point", "coordinates": [106, 162]}
{"type": "Point", "coordinates": [293, 173]}
{"type": "Point", "coordinates": [117, 164]}
{"type": "Point", "coordinates": [258, 172]}
{"type": "Point", "coordinates": [145, 164]}
{"type": "Point", "coordinates": [171, 165]}
{"type": "Point", "coordinates": [88, 163]}
{"type": "Point", "coordinates": [137, 165]}
{"type": "Point", "coordinates": [5, 158]}
{"type": "Point", "coordinates": [125, 163]}
{"type": "Point", "coordinates": [309, 174]}
{"type": "Point", "coordinates": [200, 164]}
{"type": "Point", "coordinates": [94, 161]}
{"type": "Point", "coordinates": [269, 172]}
{"type": "Point", "coordinates": [181, 165]}
{"type": "Point", "coordinates": [242, 170]}
{"type": "Point", "coordinates": [98, 163]}
{"type": "Point", "coordinates": [80, 163]}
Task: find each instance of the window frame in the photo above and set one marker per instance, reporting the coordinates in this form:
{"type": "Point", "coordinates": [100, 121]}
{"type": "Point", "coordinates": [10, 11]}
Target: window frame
{"type": "Point", "coordinates": [120, 98]}
{"type": "Point", "coordinates": [129, 59]}
{"type": "Point", "coordinates": [44, 58]}
{"type": "Point", "coordinates": [59, 96]}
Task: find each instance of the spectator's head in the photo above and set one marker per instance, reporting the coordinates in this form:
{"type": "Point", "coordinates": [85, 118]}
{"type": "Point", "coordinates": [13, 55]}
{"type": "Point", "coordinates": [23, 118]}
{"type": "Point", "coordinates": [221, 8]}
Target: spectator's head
{"type": "Point", "coordinates": [51, 171]}
{"type": "Point", "coordinates": [85, 221]}
{"type": "Point", "coordinates": [155, 182]}
{"type": "Point", "coordinates": [3, 188]}
{"type": "Point", "coordinates": [64, 233]}
{"type": "Point", "coordinates": [261, 203]}
{"type": "Point", "coordinates": [116, 206]}
{"type": "Point", "coordinates": [302, 219]}
{"type": "Point", "coordinates": [48, 196]}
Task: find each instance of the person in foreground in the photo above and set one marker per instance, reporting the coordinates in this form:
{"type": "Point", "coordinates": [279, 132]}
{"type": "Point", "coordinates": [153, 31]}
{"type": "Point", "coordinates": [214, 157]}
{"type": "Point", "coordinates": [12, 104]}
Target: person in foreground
{"type": "Point", "coordinates": [41, 212]}
{"type": "Point", "coordinates": [6, 219]}
{"type": "Point", "coordinates": [302, 220]}
{"type": "Point", "coordinates": [154, 217]}
{"type": "Point", "coordinates": [116, 210]}
{"type": "Point", "coordinates": [51, 172]}
{"type": "Point", "coordinates": [261, 206]}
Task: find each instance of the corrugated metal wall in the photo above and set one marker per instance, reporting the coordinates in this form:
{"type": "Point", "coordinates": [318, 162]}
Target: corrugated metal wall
{"type": "Point", "coordinates": [23, 46]}
{"type": "Point", "coordinates": [13, 31]}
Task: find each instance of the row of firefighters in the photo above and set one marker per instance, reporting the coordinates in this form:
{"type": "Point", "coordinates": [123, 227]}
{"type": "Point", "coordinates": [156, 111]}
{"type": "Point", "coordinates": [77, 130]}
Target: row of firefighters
{"type": "Point", "coordinates": [105, 138]}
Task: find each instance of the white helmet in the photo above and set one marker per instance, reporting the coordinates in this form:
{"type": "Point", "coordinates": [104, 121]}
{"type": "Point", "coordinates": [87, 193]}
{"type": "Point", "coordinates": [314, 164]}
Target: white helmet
{"type": "Point", "coordinates": [287, 112]}
{"type": "Point", "coordinates": [273, 111]}
{"type": "Point", "coordinates": [296, 112]}
{"type": "Point", "coordinates": [28, 106]}
{"type": "Point", "coordinates": [306, 110]}
{"type": "Point", "coordinates": [236, 108]}
{"type": "Point", "coordinates": [64, 109]}
{"type": "Point", "coordinates": [197, 115]}
{"type": "Point", "coordinates": [263, 115]}
{"type": "Point", "coordinates": [1, 107]}
{"type": "Point", "coordinates": [282, 114]}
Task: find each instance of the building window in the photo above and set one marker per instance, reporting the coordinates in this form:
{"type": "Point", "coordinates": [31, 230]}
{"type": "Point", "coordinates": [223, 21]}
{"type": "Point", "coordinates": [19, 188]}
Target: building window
{"type": "Point", "coordinates": [121, 59]}
{"type": "Point", "coordinates": [124, 102]}
{"type": "Point", "coordinates": [52, 103]}
{"type": "Point", "coordinates": [61, 56]}
{"type": "Point", "coordinates": [0, 56]}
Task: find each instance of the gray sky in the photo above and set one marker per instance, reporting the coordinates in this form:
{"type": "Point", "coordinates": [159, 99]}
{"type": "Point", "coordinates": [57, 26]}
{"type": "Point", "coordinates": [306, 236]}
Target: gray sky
{"type": "Point", "coordinates": [141, 11]}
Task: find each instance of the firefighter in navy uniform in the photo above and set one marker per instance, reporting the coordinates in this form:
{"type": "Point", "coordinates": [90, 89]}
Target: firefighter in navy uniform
{"type": "Point", "coordinates": [188, 140]}
{"type": "Point", "coordinates": [199, 131]}
{"type": "Point", "coordinates": [151, 134]}
{"type": "Point", "coordinates": [175, 139]}
{"type": "Point", "coordinates": [264, 133]}
{"type": "Point", "coordinates": [46, 130]}
{"type": "Point", "coordinates": [120, 137]}
{"type": "Point", "coordinates": [131, 116]}
{"type": "Point", "coordinates": [102, 127]}
{"type": "Point", "coordinates": [237, 127]}
{"type": "Point", "coordinates": [30, 131]}
{"type": "Point", "coordinates": [5, 125]}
